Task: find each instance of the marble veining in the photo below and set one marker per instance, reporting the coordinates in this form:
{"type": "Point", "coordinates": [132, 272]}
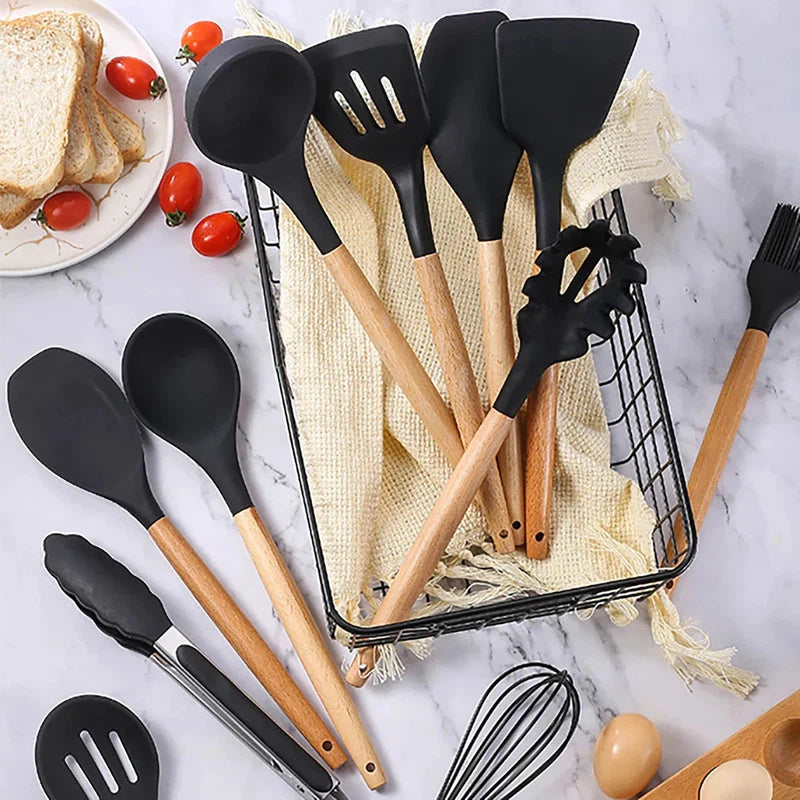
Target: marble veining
{"type": "Point", "coordinates": [731, 73]}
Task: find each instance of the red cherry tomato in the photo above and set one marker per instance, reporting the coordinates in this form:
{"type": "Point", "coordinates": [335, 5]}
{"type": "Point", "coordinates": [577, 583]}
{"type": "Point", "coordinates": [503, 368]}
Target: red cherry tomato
{"type": "Point", "coordinates": [179, 192]}
{"type": "Point", "coordinates": [134, 78]}
{"type": "Point", "coordinates": [197, 40]}
{"type": "Point", "coordinates": [64, 211]}
{"type": "Point", "coordinates": [218, 233]}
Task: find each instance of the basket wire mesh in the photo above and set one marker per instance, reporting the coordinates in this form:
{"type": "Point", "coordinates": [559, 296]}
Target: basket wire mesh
{"type": "Point", "coordinates": [643, 448]}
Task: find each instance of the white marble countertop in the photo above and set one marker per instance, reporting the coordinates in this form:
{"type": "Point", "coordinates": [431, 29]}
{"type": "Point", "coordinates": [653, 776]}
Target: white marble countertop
{"type": "Point", "coordinates": [732, 74]}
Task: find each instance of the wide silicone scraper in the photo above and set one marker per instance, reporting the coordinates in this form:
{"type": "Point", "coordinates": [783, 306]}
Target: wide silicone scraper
{"type": "Point", "coordinates": [558, 79]}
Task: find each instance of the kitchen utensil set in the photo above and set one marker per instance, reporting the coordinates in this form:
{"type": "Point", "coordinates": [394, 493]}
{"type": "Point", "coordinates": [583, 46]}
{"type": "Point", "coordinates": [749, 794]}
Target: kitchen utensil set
{"type": "Point", "coordinates": [122, 606]}
{"type": "Point", "coordinates": [552, 327]}
{"type": "Point", "coordinates": [521, 725]}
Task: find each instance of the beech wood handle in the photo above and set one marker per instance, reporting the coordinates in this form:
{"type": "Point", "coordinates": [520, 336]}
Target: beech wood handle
{"type": "Point", "coordinates": [540, 463]}
{"type": "Point", "coordinates": [720, 434]}
{"type": "Point", "coordinates": [462, 387]}
{"type": "Point", "coordinates": [245, 640]}
{"type": "Point", "coordinates": [435, 534]}
{"type": "Point", "coordinates": [400, 360]}
{"type": "Point", "coordinates": [498, 344]}
{"type": "Point", "coordinates": [309, 645]}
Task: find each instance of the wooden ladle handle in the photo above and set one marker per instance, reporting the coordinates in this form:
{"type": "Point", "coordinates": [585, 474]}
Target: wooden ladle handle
{"type": "Point", "coordinates": [720, 434]}
{"type": "Point", "coordinates": [309, 645]}
{"type": "Point", "coordinates": [435, 534]}
{"type": "Point", "coordinates": [245, 640]}
{"type": "Point", "coordinates": [498, 345]}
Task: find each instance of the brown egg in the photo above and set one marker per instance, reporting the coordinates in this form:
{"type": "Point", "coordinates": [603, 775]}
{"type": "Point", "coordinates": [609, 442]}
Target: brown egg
{"type": "Point", "coordinates": [626, 756]}
{"type": "Point", "coordinates": [739, 779]}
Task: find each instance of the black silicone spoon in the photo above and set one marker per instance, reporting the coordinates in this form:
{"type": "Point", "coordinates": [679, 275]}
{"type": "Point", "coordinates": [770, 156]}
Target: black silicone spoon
{"type": "Point", "coordinates": [558, 79]}
{"type": "Point", "coordinates": [183, 384]}
{"type": "Point", "coordinates": [80, 747]}
{"type": "Point", "coordinates": [479, 159]}
{"type": "Point", "coordinates": [248, 103]}
{"type": "Point", "coordinates": [75, 420]}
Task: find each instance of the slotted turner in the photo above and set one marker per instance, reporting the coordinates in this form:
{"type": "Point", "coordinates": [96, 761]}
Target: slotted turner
{"type": "Point", "coordinates": [78, 745]}
{"type": "Point", "coordinates": [478, 159]}
{"type": "Point", "coordinates": [558, 79]}
{"type": "Point", "coordinates": [369, 98]}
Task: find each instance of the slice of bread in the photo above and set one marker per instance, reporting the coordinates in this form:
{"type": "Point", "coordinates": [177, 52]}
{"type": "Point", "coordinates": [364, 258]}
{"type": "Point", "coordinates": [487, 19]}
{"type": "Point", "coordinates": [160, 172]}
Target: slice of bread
{"type": "Point", "coordinates": [80, 159]}
{"type": "Point", "coordinates": [40, 69]}
{"type": "Point", "coordinates": [127, 134]}
{"type": "Point", "coordinates": [15, 209]}
{"type": "Point", "coordinates": [109, 157]}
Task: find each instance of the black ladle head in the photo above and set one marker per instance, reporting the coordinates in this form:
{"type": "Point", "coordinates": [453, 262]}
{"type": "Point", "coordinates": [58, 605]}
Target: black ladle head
{"type": "Point", "coordinates": [183, 384]}
{"type": "Point", "coordinates": [248, 103]}
{"type": "Point", "coordinates": [468, 141]}
{"type": "Point", "coordinates": [75, 420]}
{"type": "Point", "coordinates": [82, 740]}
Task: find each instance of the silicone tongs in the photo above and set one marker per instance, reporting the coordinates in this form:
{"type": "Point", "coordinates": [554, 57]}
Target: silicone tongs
{"type": "Point", "coordinates": [124, 608]}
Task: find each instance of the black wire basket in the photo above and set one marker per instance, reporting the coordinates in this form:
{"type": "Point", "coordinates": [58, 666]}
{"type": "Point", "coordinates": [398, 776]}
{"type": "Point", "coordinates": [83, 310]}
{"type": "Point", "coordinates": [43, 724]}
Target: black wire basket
{"type": "Point", "coordinates": [643, 448]}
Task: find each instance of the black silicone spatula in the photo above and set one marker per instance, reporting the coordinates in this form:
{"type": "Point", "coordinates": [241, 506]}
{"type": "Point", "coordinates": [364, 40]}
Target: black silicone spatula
{"type": "Point", "coordinates": [479, 159]}
{"type": "Point", "coordinates": [94, 744]}
{"type": "Point", "coordinates": [183, 384]}
{"type": "Point", "coordinates": [369, 98]}
{"type": "Point", "coordinates": [75, 420]}
{"type": "Point", "coordinates": [558, 79]}
{"type": "Point", "coordinates": [248, 104]}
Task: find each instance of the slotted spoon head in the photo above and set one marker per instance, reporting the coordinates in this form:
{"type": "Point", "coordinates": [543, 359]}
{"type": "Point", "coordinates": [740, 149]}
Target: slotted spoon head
{"type": "Point", "coordinates": [247, 105]}
{"type": "Point", "coordinates": [75, 420]}
{"type": "Point", "coordinates": [82, 735]}
{"type": "Point", "coordinates": [558, 79]}
{"type": "Point", "coordinates": [468, 141]}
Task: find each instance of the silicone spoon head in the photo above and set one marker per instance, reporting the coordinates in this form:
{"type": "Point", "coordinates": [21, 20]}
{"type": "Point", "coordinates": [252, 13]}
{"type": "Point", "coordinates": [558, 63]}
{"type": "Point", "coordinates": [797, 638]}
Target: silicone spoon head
{"type": "Point", "coordinates": [75, 420]}
{"type": "Point", "coordinates": [468, 141]}
{"type": "Point", "coordinates": [183, 384]}
{"type": "Point", "coordinates": [248, 103]}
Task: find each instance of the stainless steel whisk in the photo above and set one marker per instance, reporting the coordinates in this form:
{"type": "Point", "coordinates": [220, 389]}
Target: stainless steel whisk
{"type": "Point", "coordinates": [521, 725]}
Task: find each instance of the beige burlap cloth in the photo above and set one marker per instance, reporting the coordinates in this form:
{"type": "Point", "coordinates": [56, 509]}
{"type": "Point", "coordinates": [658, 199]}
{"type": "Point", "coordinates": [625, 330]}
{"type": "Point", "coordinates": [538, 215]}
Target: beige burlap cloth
{"type": "Point", "coordinates": [375, 472]}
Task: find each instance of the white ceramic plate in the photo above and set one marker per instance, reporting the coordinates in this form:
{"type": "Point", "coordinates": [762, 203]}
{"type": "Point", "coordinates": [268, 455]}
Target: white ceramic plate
{"type": "Point", "coordinates": [30, 250]}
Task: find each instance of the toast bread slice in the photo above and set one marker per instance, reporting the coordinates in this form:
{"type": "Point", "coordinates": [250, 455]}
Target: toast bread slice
{"type": "Point", "coordinates": [127, 134]}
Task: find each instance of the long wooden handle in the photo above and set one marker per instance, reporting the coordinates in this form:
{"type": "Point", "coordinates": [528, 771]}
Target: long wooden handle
{"type": "Point", "coordinates": [462, 387]}
{"type": "Point", "coordinates": [245, 640]}
{"type": "Point", "coordinates": [498, 344]}
{"type": "Point", "coordinates": [720, 434]}
{"type": "Point", "coordinates": [435, 534]}
{"type": "Point", "coordinates": [402, 363]}
{"type": "Point", "coordinates": [540, 463]}
{"type": "Point", "coordinates": [309, 645]}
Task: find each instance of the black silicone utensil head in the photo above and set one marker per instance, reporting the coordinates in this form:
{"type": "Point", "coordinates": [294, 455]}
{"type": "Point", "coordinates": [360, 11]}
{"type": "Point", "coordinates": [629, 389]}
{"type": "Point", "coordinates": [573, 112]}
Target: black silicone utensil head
{"type": "Point", "coordinates": [555, 326]}
{"type": "Point", "coordinates": [773, 279]}
{"type": "Point", "coordinates": [94, 744]}
{"type": "Point", "coordinates": [468, 141]}
{"type": "Point", "coordinates": [558, 79]}
{"type": "Point", "coordinates": [75, 420]}
{"type": "Point", "coordinates": [248, 103]}
{"type": "Point", "coordinates": [369, 98]}
{"type": "Point", "coordinates": [183, 384]}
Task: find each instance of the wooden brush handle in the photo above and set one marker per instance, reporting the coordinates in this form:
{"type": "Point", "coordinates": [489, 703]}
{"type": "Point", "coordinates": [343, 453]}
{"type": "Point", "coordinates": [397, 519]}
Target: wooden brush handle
{"type": "Point", "coordinates": [498, 344]}
{"type": "Point", "coordinates": [720, 433]}
{"type": "Point", "coordinates": [400, 359]}
{"type": "Point", "coordinates": [540, 462]}
{"type": "Point", "coordinates": [435, 534]}
{"type": "Point", "coordinates": [462, 387]}
{"type": "Point", "coordinates": [309, 645]}
{"type": "Point", "coordinates": [245, 640]}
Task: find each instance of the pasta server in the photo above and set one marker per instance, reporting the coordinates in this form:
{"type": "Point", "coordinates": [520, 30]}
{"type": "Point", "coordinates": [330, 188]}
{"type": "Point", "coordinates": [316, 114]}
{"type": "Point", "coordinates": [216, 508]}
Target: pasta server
{"type": "Point", "coordinates": [369, 98]}
{"type": "Point", "coordinates": [553, 326]}
{"type": "Point", "coordinates": [558, 79]}
{"type": "Point", "coordinates": [91, 746]}
{"type": "Point", "coordinates": [75, 420]}
{"type": "Point", "coordinates": [124, 608]}
{"type": "Point", "coordinates": [479, 159]}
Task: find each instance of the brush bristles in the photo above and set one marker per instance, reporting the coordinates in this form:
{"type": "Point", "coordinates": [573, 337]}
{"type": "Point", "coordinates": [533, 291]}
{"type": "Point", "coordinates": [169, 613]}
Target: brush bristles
{"type": "Point", "coordinates": [781, 243]}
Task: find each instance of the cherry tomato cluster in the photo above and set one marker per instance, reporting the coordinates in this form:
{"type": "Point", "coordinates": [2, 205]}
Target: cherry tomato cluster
{"type": "Point", "coordinates": [179, 194]}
